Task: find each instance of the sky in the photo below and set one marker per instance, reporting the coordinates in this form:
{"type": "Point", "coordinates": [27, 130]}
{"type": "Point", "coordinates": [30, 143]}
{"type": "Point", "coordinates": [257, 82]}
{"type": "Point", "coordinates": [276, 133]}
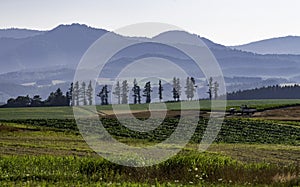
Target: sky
{"type": "Point", "coordinates": [228, 22]}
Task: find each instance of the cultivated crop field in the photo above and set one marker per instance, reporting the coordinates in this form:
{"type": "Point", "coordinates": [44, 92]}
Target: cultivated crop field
{"type": "Point", "coordinates": [43, 147]}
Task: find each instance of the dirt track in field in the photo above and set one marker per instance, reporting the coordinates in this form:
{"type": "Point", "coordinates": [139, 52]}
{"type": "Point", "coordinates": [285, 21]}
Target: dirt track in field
{"type": "Point", "coordinates": [287, 113]}
{"type": "Point", "coordinates": [153, 114]}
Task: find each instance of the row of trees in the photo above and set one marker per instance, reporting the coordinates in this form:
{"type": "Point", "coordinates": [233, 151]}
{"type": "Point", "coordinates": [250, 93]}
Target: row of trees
{"type": "Point", "coordinates": [213, 88]}
{"type": "Point", "coordinates": [82, 94]}
{"type": "Point", "coordinates": [121, 91]}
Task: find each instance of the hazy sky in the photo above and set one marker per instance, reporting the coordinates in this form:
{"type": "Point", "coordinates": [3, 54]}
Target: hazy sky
{"type": "Point", "coordinates": [227, 22]}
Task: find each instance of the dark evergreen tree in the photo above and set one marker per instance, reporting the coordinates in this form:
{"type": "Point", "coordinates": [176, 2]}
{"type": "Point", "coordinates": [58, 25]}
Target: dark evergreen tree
{"type": "Point", "coordinates": [20, 101]}
{"type": "Point", "coordinates": [192, 87]}
{"type": "Point", "coordinates": [72, 103]}
{"type": "Point", "coordinates": [160, 91]}
{"type": "Point", "coordinates": [178, 89]}
{"type": "Point", "coordinates": [134, 88]}
{"type": "Point", "coordinates": [174, 91]}
{"type": "Point", "coordinates": [117, 92]}
{"type": "Point", "coordinates": [36, 101]}
{"type": "Point", "coordinates": [270, 92]}
{"type": "Point", "coordinates": [68, 99]}
{"type": "Point", "coordinates": [147, 92]}
{"type": "Point", "coordinates": [136, 92]}
{"type": "Point", "coordinates": [56, 99]}
{"type": "Point", "coordinates": [104, 95]}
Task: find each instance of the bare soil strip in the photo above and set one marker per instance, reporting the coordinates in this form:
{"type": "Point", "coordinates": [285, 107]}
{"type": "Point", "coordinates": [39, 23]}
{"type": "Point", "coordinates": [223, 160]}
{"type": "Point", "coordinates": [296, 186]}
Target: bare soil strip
{"type": "Point", "coordinates": [284, 114]}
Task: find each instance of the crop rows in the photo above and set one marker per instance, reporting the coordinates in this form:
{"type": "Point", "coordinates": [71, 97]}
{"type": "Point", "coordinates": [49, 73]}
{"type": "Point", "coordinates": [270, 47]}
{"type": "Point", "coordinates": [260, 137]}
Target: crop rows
{"type": "Point", "coordinates": [233, 130]}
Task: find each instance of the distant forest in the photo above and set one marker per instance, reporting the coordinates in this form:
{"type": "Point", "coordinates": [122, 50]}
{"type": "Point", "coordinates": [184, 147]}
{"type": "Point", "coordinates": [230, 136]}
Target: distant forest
{"type": "Point", "coordinates": [270, 92]}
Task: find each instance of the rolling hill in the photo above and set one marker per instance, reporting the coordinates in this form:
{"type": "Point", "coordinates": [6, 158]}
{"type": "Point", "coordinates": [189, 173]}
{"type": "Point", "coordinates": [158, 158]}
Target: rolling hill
{"type": "Point", "coordinates": [18, 33]}
{"type": "Point", "coordinates": [282, 45]}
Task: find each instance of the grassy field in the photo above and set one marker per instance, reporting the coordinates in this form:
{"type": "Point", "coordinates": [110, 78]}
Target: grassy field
{"type": "Point", "coordinates": [67, 112]}
{"type": "Point", "coordinates": [42, 147]}
{"type": "Point", "coordinates": [36, 153]}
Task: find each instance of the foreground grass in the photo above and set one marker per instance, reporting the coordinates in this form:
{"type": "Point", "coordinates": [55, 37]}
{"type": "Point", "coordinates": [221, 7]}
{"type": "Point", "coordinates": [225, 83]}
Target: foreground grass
{"type": "Point", "coordinates": [186, 168]}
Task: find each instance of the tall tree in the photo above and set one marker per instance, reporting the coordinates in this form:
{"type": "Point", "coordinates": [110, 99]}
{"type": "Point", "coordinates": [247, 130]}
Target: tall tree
{"type": "Point", "coordinates": [117, 92]}
{"type": "Point", "coordinates": [210, 88]}
{"type": "Point", "coordinates": [36, 101]}
{"type": "Point", "coordinates": [193, 87]}
{"type": "Point", "coordinates": [20, 101]}
{"type": "Point", "coordinates": [56, 98]}
{"type": "Point", "coordinates": [83, 93]}
{"type": "Point", "coordinates": [190, 88]}
{"type": "Point", "coordinates": [216, 89]}
{"type": "Point", "coordinates": [136, 92]}
{"type": "Point", "coordinates": [103, 94]}
{"type": "Point", "coordinates": [124, 93]}
{"type": "Point", "coordinates": [68, 98]}
{"type": "Point", "coordinates": [106, 95]}
{"type": "Point", "coordinates": [147, 92]}
{"type": "Point", "coordinates": [176, 89]}
{"type": "Point", "coordinates": [75, 95]}
{"type": "Point", "coordinates": [71, 100]}
{"type": "Point", "coordinates": [160, 91]}
{"type": "Point", "coordinates": [89, 93]}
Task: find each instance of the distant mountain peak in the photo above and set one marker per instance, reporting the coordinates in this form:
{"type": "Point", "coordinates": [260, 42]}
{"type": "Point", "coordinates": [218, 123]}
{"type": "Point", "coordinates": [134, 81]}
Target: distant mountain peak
{"type": "Point", "coordinates": [74, 26]}
{"type": "Point", "coordinates": [186, 38]}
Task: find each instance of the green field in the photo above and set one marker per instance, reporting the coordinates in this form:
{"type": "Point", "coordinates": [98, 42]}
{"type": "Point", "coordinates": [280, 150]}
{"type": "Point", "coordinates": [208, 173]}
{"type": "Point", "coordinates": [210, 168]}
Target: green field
{"type": "Point", "coordinates": [49, 153]}
{"type": "Point", "coordinates": [67, 112]}
{"type": "Point", "coordinates": [42, 147]}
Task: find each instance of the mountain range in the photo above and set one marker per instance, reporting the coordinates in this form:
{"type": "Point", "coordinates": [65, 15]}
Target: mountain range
{"type": "Point", "coordinates": [35, 62]}
{"type": "Point", "coordinates": [281, 45]}
{"type": "Point", "coordinates": [18, 33]}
